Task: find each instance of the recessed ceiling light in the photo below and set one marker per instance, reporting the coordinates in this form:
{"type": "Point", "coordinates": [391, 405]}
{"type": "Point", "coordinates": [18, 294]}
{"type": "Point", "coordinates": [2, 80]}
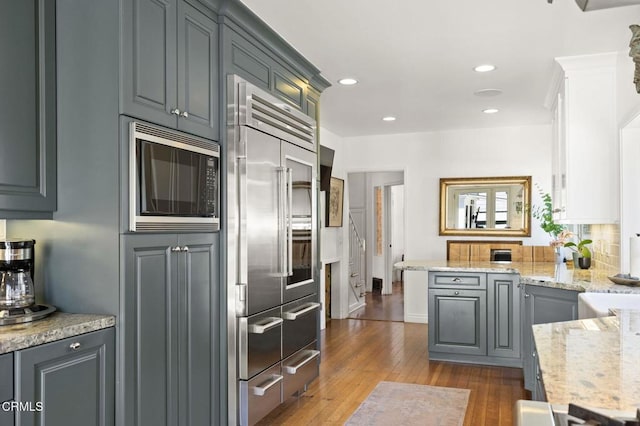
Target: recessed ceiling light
{"type": "Point", "coordinates": [347, 81]}
{"type": "Point", "coordinates": [388, 118]}
{"type": "Point", "coordinates": [484, 68]}
{"type": "Point", "coordinates": [490, 110]}
{"type": "Point", "coordinates": [487, 93]}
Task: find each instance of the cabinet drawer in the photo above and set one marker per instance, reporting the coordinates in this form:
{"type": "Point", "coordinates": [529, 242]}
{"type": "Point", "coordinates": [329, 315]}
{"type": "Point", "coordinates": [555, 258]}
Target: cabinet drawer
{"type": "Point", "coordinates": [300, 326]}
{"type": "Point", "coordinates": [260, 336]}
{"type": "Point", "coordinates": [474, 280]}
{"type": "Point", "coordinates": [260, 395]}
{"type": "Point", "coordinates": [300, 369]}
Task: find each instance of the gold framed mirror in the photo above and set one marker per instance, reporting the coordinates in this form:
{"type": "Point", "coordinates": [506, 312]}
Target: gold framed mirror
{"type": "Point", "coordinates": [496, 206]}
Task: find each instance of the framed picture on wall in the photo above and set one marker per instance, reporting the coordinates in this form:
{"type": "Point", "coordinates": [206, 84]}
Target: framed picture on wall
{"type": "Point", "coordinates": [335, 198]}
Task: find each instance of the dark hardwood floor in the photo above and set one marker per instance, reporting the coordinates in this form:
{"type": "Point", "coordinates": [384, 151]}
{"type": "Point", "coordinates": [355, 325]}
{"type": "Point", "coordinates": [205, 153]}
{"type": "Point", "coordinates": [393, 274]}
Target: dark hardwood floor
{"type": "Point", "coordinates": [357, 354]}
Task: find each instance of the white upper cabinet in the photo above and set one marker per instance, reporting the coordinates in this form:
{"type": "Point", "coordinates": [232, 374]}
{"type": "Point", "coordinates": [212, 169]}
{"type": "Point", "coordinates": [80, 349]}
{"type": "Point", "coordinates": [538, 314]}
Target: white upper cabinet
{"type": "Point", "coordinates": [585, 160]}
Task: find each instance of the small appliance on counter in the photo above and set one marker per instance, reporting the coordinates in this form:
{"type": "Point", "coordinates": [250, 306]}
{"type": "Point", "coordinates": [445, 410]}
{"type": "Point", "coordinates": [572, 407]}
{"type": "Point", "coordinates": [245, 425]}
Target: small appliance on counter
{"type": "Point", "coordinates": [17, 296]}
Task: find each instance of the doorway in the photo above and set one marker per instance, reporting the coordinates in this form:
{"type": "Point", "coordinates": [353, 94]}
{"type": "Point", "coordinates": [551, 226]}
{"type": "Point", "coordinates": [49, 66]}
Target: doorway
{"type": "Point", "coordinates": [377, 198]}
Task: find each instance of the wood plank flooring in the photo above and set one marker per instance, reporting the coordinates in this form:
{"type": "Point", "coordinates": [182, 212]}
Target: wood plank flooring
{"type": "Point", "coordinates": [357, 354]}
{"type": "Point", "coordinates": [389, 307]}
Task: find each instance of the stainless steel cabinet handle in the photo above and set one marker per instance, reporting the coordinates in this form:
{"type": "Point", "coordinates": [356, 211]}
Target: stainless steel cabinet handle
{"type": "Point", "coordinates": [262, 326]}
{"type": "Point", "coordinates": [175, 249]}
{"type": "Point", "coordinates": [533, 354]}
{"type": "Point", "coordinates": [456, 293]}
{"type": "Point", "coordinates": [293, 369]}
{"type": "Point", "coordinates": [75, 346]}
{"type": "Point", "coordinates": [456, 280]}
{"type": "Point", "coordinates": [261, 390]}
{"type": "Point", "coordinates": [185, 249]}
{"type": "Point", "coordinates": [175, 111]}
{"type": "Point", "coordinates": [306, 308]}
{"type": "Point", "coordinates": [526, 295]}
{"type": "Point", "coordinates": [184, 114]}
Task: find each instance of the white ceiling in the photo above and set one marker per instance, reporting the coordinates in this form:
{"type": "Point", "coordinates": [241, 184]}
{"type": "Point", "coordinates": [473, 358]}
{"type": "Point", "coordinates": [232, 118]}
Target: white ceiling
{"type": "Point", "coordinates": [414, 58]}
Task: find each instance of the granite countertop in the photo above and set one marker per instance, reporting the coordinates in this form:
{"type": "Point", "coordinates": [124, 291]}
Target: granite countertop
{"type": "Point", "coordinates": [591, 362]}
{"type": "Point", "coordinates": [544, 274]}
{"type": "Point", "coordinates": [56, 326]}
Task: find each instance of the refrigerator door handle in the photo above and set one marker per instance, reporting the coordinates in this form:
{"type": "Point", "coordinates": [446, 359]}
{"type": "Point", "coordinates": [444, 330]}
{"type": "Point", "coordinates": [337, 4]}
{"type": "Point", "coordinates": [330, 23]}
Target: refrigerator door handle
{"type": "Point", "coordinates": [261, 327]}
{"type": "Point", "coordinates": [293, 369]}
{"type": "Point", "coordinates": [282, 221]}
{"type": "Point", "coordinates": [290, 221]}
{"type": "Point", "coordinates": [242, 221]}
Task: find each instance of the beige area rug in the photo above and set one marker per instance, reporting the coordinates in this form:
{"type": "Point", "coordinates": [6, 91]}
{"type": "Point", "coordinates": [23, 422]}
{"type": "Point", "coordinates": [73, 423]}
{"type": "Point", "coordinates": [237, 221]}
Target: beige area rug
{"type": "Point", "coordinates": [407, 404]}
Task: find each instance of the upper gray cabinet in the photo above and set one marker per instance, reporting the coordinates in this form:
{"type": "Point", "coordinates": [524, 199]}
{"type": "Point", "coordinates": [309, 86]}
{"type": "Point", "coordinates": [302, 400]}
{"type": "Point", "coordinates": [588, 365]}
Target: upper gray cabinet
{"type": "Point", "coordinates": [27, 109]}
{"type": "Point", "coordinates": [170, 66]}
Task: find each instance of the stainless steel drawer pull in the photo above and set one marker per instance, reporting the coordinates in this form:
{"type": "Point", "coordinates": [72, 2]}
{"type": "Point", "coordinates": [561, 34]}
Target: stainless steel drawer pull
{"type": "Point", "coordinates": [293, 369]}
{"type": "Point", "coordinates": [261, 390]}
{"type": "Point", "coordinates": [306, 308]}
{"type": "Point", "coordinates": [175, 111]}
{"type": "Point", "coordinates": [175, 249]}
{"type": "Point", "coordinates": [456, 293]}
{"type": "Point", "coordinates": [526, 295]}
{"type": "Point", "coordinates": [185, 248]}
{"type": "Point", "coordinates": [75, 346]}
{"type": "Point", "coordinates": [264, 325]}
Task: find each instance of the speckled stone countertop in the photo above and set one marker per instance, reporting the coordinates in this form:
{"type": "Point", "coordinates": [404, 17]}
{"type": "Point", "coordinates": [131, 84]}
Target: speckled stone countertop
{"type": "Point", "coordinates": [591, 362]}
{"type": "Point", "coordinates": [56, 326]}
{"type": "Point", "coordinates": [545, 274]}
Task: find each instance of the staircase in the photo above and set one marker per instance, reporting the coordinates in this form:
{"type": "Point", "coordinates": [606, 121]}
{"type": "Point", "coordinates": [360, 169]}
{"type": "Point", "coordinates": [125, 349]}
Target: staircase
{"type": "Point", "coordinates": [356, 267]}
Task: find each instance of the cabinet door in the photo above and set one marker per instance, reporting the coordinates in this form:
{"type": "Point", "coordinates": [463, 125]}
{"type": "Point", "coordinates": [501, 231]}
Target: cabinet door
{"type": "Point", "coordinates": [149, 71]}
{"type": "Point", "coordinates": [197, 335]}
{"type": "Point", "coordinates": [27, 109]}
{"type": "Point", "coordinates": [197, 72]}
{"type": "Point", "coordinates": [503, 315]}
{"type": "Point", "coordinates": [458, 321]}
{"type": "Point", "coordinates": [73, 379]}
{"type": "Point", "coordinates": [149, 331]}
{"type": "Point", "coordinates": [543, 305]}
{"type": "Point", "coordinates": [6, 390]}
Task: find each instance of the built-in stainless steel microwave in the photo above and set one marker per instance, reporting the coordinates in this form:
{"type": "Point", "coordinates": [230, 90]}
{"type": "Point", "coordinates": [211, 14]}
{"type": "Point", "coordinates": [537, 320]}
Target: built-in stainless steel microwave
{"type": "Point", "coordinates": [173, 181]}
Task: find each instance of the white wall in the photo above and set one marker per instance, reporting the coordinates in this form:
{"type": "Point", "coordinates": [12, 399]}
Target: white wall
{"type": "Point", "coordinates": [427, 157]}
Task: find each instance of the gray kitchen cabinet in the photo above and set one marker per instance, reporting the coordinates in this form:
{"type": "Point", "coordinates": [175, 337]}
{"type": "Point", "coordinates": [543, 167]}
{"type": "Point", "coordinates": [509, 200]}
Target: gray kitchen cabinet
{"type": "Point", "coordinates": [169, 336]}
{"type": "Point", "coordinates": [27, 109]}
{"type": "Point", "coordinates": [503, 315]}
{"type": "Point", "coordinates": [6, 389]}
{"type": "Point", "coordinates": [170, 66]}
{"type": "Point", "coordinates": [542, 305]}
{"type": "Point", "coordinates": [474, 317]}
{"type": "Point", "coordinates": [69, 382]}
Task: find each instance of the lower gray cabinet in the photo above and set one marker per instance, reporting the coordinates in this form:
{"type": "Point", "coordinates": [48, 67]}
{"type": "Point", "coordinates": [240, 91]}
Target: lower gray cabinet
{"type": "Point", "coordinates": [69, 382]}
{"type": "Point", "coordinates": [6, 389]}
{"type": "Point", "coordinates": [475, 317]}
{"type": "Point", "coordinates": [542, 305]}
{"type": "Point", "coordinates": [169, 328]}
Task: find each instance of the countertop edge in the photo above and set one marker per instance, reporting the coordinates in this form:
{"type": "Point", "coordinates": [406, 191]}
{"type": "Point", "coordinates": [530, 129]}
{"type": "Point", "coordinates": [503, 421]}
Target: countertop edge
{"type": "Point", "coordinates": [55, 327]}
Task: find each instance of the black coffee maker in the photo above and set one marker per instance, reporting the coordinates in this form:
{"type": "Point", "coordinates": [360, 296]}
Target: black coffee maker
{"type": "Point", "coordinates": [17, 295]}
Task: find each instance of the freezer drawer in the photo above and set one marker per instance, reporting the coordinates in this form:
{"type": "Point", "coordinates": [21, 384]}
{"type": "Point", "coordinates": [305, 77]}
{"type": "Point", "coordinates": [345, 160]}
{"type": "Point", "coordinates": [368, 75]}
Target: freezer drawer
{"type": "Point", "coordinates": [300, 369]}
{"type": "Point", "coordinates": [260, 395]}
{"type": "Point", "coordinates": [300, 326]}
{"type": "Point", "coordinates": [259, 342]}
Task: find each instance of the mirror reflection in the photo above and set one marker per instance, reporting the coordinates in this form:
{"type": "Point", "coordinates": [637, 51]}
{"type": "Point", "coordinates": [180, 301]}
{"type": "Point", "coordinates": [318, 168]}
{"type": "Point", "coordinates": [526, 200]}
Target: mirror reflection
{"type": "Point", "coordinates": [485, 206]}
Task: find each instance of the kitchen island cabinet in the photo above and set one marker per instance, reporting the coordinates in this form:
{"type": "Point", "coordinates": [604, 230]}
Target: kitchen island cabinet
{"type": "Point", "coordinates": [69, 382]}
{"type": "Point", "coordinates": [542, 305]}
{"type": "Point", "coordinates": [28, 109]}
{"type": "Point", "coordinates": [474, 317]}
{"type": "Point", "coordinates": [169, 332]}
{"type": "Point", "coordinates": [6, 390]}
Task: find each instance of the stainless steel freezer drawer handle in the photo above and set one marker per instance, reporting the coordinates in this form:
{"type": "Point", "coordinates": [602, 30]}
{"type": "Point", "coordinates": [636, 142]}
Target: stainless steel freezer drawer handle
{"type": "Point", "coordinates": [261, 390]}
{"type": "Point", "coordinates": [262, 326]}
{"type": "Point", "coordinates": [293, 369]}
{"type": "Point", "coordinates": [306, 308]}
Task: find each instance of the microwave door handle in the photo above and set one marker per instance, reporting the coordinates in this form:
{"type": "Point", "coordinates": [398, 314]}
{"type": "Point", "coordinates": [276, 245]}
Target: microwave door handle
{"type": "Point", "coordinates": [290, 220]}
{"type": "Point", "coordinates": [282, 231]}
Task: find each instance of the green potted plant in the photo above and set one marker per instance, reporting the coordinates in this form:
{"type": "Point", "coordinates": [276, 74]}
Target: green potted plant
{"type": "Point", "coordinates": [582, 252]}
{"type": "Point", "coordinates": [557, 232]}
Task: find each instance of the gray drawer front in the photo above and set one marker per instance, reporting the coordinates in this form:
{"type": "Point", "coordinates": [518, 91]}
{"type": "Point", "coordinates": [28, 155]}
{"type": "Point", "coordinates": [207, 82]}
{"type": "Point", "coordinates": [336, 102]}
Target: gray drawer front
{"type": "Point", "coordinates": [300, 326]}
{"type": "Point", "coordinates": [300, 369]}
{"type": "Point", "coordinates": [260, 395]}
{"type": "Point", "coordinates": [472, 280]}
{"type": "Point", "coordinates": [260, 336]}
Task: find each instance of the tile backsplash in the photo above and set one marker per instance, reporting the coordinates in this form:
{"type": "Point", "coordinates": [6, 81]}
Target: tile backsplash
{"type": "Point", "coordinates": [606, 247]}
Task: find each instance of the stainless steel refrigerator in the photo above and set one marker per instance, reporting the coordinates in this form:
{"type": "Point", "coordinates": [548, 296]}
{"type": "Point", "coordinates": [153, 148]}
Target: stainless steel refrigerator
{"type": "Point", "coordinates": [272, 270]}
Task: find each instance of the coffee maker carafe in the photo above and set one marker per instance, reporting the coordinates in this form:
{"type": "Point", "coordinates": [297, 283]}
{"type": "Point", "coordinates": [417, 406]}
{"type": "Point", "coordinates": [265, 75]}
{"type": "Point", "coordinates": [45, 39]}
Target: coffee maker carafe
{"type": "Point", "coordinates": [16, 274]}
{"type": "Point", "coordinates": [17, 295]}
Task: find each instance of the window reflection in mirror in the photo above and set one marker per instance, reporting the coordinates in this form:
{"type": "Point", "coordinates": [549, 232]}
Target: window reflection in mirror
{"type": "Point", "coordinates": [485, 206]}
